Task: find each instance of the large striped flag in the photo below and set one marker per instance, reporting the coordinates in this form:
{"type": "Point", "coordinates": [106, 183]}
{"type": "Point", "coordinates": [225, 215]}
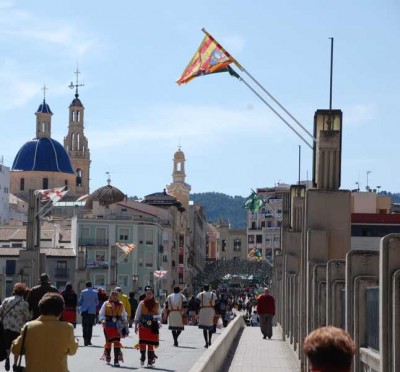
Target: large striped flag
{"type": "Point", "coordinates": [54, 195]}
{"type": "Point", "coordinates": [126, 247]}
{"type": "Point", "coordinates": [209, 58]}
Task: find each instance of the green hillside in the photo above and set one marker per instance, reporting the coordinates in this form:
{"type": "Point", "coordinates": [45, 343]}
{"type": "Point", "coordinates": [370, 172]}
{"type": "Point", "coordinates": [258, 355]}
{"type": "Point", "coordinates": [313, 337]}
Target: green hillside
{"type": "Point", "coordinates": [221, 206]}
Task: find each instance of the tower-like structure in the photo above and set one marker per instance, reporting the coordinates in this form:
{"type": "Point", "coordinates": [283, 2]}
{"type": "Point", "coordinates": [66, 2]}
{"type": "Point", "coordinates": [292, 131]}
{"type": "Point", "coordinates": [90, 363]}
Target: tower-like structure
{"type": "Point", "coordinates": [76, 143]}
{"type": "Point", "coordinates": [180, 189]}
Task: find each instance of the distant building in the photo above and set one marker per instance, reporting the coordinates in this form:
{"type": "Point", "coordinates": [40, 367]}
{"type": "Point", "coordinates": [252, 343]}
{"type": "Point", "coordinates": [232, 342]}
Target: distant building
{"type": "Point", "coordinates": [4, 193]}
{"type": "Point", "coordinates": [371, 219]}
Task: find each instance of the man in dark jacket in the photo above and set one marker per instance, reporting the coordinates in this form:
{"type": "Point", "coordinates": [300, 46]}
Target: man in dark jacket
{"type": "Point", "coordinates": [266, 311]}
{"type": "Point", "coordinates": [36, 294]}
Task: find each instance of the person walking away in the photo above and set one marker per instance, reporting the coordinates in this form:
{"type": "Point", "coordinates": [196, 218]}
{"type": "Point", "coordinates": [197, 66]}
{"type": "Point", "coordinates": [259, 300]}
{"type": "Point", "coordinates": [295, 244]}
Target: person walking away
{"type": "Point", "coordinates": [134, 304]}
{"type": "Point", "coordinates": [71, 301]}
{"type": "Point", "coordinates": [147, 325]}
{"type": "Point", "coordinates": [266, 311]}
{"type": "Point", "coordinates": [102, 297]}
{"type": "Point", "coordinates": [14, 312]}
{"type": "Point", "coordinates": [87, 303]}
{"type": "Point", "coordinates": [329, 349]}
{"type": "Point", "coordinates": [125, 301]}
{"type": "Point", "coordinates": [37, 292]}
{"type": "Point", "coordinates": [206, 300]}
{"type": "Point", "coordinates": [176, 305]}
{"type": "Point", "coordinates": [48, 342]}
{"type": "Point", "coordinates": [110, 314]}
{"type": "Point", "coordinates": [255, 319]}
{"type": "Point", "coordinates": [193, 310]}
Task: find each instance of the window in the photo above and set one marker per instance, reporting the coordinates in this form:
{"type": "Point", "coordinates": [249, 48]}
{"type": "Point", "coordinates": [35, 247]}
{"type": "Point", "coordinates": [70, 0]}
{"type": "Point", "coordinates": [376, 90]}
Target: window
{"type": "Point", "coordinates": [223, 245]}
{"type": "Point", "coordinates": [149, 237]}
{"type": "Point", "coordinates": [181, 259]}
{"type": "Point", "coordinates": [99, 280]}
{"type": "Point", "coordinates": [165, 258]}
{"type": "Point", "coordinates": [251, 238]}
{"type": "Point", "coordinates": [123, 280]}
{"type": "Point", "coordinates": [258, 239]}
{"type": "Point", "coordinates": [237, 245]}
{"type": "Point", "coordinates": [85, 232]}
{"type": "Point", "coordinates": [148, 259]}
{"type": "Point", "coordinates": [100, 256]}
{"type": "Point", "coordinates": [10, 267]}
{"type": "Point", "coordinates": [66, 184]}
{"type": "Point", "coordinates": [79, 177]}
{"type": "Point", "coordinates": [123, 234]}
{"type": "Point", "coordinates": [181, 240]}
{"type": "Point", "coordinates": [101, 234]}
{"type": "Point", "coordinates": [22, 184]}
{"type": "Point", "coordinates": [45, 183]}
{"type": "Point", "coordinates": [253, 225]}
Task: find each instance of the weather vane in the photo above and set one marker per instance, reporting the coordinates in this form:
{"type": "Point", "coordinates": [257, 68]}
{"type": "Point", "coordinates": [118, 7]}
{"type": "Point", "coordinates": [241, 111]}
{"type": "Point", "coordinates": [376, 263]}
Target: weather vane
{"type": "Point", "coordinates": [108, 178]}
{"type": "Point", "coordinates": [76, 85]}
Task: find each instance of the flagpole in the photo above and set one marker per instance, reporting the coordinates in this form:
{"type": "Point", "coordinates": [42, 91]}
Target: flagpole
{"type": "Point", "coordinates": [278, 103]}
{"type": "Point", "coordinates": [265, 91]}
{"type": "Point", "coordinates": [274, 111]}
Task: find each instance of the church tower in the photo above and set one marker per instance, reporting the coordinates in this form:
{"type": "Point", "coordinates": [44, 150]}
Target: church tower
{"type": "Point", "coordinates": [76, 143]}
{"type": "Point", "coordinates": [179, 188]}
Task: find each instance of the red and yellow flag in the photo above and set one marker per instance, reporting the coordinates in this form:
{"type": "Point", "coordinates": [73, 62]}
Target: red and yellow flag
{"type": "Point", "coordinates": [209, 58]}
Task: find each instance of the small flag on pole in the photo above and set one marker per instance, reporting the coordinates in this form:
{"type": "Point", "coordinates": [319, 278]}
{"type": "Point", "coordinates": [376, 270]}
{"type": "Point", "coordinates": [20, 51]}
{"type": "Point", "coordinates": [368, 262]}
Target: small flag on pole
{"type": "Point", "coordinates": [159, 273]}
{"type": "Point", "coordinates": [209, 58]}
{"type": "Point", "coordinates": [253, 202]}
{"type": "Point", "coordinates": [126, 247]}
{"type": "Point", "coordinates": [54, 195]}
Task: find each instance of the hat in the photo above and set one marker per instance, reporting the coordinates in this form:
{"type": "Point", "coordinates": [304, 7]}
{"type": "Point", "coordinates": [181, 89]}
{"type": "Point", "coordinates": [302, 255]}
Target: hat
{"type": "Point", "coordinates": [118, 289]}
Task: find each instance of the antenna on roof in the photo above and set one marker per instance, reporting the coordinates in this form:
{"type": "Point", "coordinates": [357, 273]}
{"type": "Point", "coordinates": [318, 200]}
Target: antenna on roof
{"type": "Point", "coordinates": [331, 76]}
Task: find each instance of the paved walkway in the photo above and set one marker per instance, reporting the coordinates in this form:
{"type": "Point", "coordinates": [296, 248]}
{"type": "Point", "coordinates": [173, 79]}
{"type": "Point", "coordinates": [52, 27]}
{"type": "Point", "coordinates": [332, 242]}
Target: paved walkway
{"type": "Point", "coordinates": [254, 354]}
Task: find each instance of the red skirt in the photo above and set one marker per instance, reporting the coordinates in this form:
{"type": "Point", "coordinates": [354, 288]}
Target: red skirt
{"type": "Point", "coordinates": [69, 316]}
{"type": "Point", "coordinates": [147, 337]}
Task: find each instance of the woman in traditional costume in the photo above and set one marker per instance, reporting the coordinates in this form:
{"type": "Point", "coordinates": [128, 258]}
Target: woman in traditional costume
{"type": "Point", "coordinates": [111, 314]}
{"type": "Point", "coordinates": [206, 300]}
{"type": "Point", "coordinates": [71, 300]}
{"type": "Point", "coordinates": [176, 306]}
{"type": "Point", "coordinates": [147, 317]}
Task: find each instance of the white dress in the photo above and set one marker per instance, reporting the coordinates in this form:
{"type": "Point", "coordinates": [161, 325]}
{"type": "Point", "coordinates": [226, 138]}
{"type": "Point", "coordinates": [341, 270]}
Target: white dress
{"type": "Point", "coordinates": [206, 316]}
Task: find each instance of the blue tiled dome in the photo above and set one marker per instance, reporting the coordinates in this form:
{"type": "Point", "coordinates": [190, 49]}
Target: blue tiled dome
{"type": "Point", "coordinates": [44, 108]}
{"type": "Point", "coordinates": [42, 154]}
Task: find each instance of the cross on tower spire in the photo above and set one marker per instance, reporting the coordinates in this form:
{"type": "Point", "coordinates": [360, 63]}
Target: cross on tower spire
{"type": "Point", "coordinates": [76, 85]}
{"type": "Point", "coordinates": [44, 88]}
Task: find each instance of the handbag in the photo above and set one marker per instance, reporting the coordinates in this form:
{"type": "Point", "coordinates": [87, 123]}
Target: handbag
{"type": "Point", "coordinates": [18, 367]}
{"type": "Point", "coordinates": [215, 319]}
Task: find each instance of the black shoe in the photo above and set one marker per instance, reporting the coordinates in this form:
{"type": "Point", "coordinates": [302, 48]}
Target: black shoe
{"type": "Point", "coordinates": [116, 364]}
{"type": "Point", "coordinates": [264, 337]}
{"type": "Point", "coordinates": [175, 342]}
{"type": "Point", "coordinates": [209, 343]}
{"type": "Point", "coordinates": [7, 365]}
{"type": "Point", "coordinates": [269, 337]}
{"type": "Point", "coordinates": [206, 345]}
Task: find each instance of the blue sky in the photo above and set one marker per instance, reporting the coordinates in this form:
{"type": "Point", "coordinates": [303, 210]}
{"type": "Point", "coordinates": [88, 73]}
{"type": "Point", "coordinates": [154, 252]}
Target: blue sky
{"type": "Point", "coordinates": [130, 53]}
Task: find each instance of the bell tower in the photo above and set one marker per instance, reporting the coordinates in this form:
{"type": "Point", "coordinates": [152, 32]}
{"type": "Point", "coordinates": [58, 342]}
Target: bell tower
{"type": "Point", "coordinates": [76, 143]}
{"type": "Point", "coordinates": [179, 188]}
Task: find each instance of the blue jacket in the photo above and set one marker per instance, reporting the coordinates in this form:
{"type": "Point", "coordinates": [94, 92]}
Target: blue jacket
{"type": "Point", "coordinates": [88, 301]}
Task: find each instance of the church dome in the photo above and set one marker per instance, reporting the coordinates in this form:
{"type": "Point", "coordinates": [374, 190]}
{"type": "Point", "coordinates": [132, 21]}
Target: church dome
{"type": "Point", "coordinates": [42, 154]}
{"type": "Point", "coordinates": [105, 195]}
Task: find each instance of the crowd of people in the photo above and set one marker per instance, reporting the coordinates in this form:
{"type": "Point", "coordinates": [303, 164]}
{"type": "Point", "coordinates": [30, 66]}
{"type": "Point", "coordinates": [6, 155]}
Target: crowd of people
{"type": "Point", "coordinates": [28, 315]}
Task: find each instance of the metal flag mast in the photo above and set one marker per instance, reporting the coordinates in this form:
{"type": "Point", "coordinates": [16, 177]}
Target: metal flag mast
{"type": "Point", "coordinates": [234, 73]}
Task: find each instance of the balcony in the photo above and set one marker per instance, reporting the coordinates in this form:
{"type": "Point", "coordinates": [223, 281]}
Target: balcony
{"type": "Point", "coordinates": [61, 272]}
{"type": "Point", "coordinates": [93, 242]}
{"type": "Point", "coordinates": [97, 265]}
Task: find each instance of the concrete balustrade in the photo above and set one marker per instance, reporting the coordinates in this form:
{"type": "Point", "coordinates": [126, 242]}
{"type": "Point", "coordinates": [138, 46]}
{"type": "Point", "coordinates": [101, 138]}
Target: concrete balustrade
{"type": "Point", "coordinates": [215, 356]}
